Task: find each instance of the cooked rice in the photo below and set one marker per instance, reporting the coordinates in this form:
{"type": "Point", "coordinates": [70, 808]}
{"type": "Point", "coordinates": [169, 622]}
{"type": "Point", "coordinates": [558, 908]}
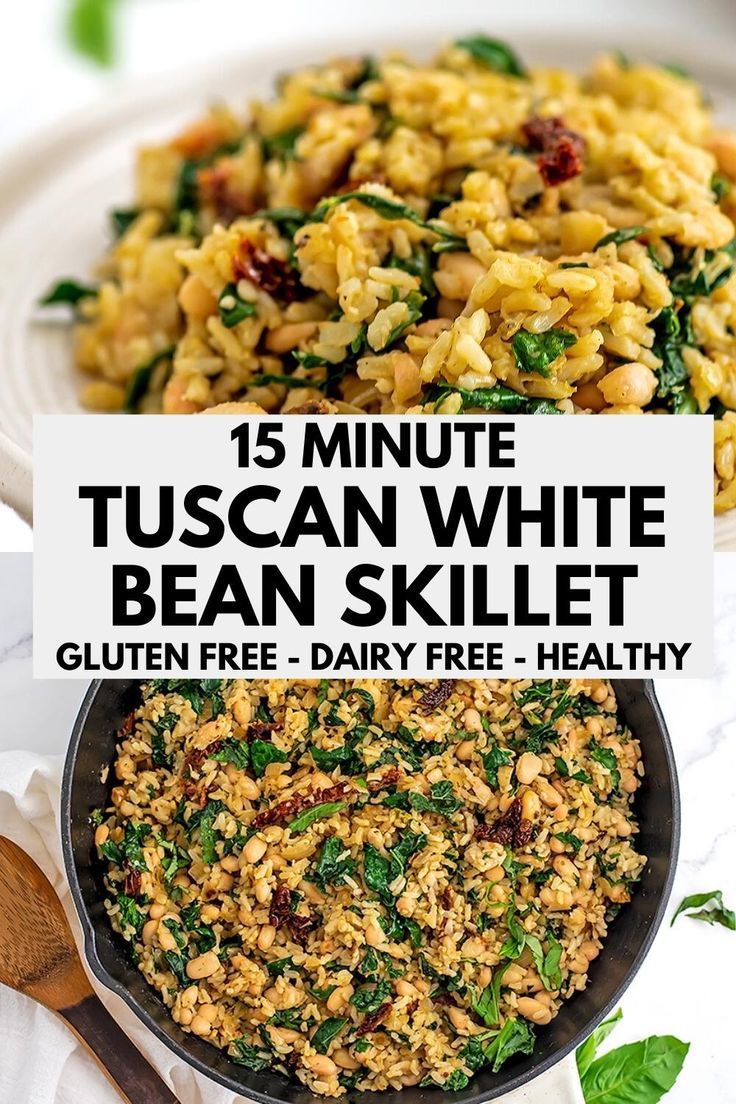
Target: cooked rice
{"type": "Point", "coordinates": [363, 313]}
{"type": "Point", "coordinates": [353, 951]}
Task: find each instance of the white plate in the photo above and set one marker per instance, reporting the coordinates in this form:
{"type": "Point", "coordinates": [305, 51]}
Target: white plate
{"type": "Point", "coordinates": [56, 192]}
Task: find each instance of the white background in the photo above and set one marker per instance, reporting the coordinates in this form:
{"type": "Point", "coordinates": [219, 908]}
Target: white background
{"type": "Point", "coordinates": [687, 984]}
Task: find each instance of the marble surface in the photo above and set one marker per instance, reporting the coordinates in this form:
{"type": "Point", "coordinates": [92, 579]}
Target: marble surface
{"type": "Point", "coordinates": [686, 986]}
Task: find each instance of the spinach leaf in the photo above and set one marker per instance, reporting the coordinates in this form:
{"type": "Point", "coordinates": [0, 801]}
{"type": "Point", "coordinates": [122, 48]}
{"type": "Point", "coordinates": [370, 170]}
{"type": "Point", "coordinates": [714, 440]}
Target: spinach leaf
{"type": "Point", "coordinates": [720, 186]}
{"type": "Point", "coordinates": [710, 908]}
{"type": "Point", "coordinates": [287, 219]}
{"type": "Point", "coordinates": [326, 809]}
{"type": "Point", "coordinates": [417, 264]}
{"type": "Point", "coordinates": [343, 756]}
{"type": "Point", "coordinates": [279, 966]}
{"type": "Point", "coordinates": [326, 1032]}
{"type": "Point", "coordinates": [333, 863]}
{"type": "Point", "coordinates": [233, 308]}
{"type": "Point", "coordinates": [235, 752]}
{"type": "Point", "coordinates": [516, 939]}
{"type": "Point", "coordinates": [607, 758]}
{"type": "Point", "coordinates": [638, 1073]}
{"type": "Point", "coordinates": [493, 398]}
{"type": "Point", "coordinates": [140, 381]}
{"type": "Point", "coordinates": [414, 302]}
{"type": "Point", "coordinates": [282, 146]}
{"type": "Point", "coordinates": [672, 373]}
{"type": "Point", "coordinates": [190, 915]}
{"type": "Point", "coordinates": [377, 874]}
{"type": "Point", "coordinates": [207, 833]}
{"type": "Point", "coordinates": [486, 1006]}
{"type": "Point", "coordinates": [175, 859]}
{"type": "Point", "coordinates": [390, 209]}
{"type": "Point", "coordinates": [515, 1037]}
{"type": "Point", "coordinates": [249, 1056]}
{"type": "Point", "coordinates": [177, 965]}
{"type": "Point", "coordinates": [263, 752]}
{"type": "Point", "coordinates": [571, 840]}
{"type": "Point", "coordinates": [494, 758]}
{"type": "Point", "coordinates": [130, 915]}
{"type": "Point", "coordinates": [492, 54]}
{"type": "Point", "coordinates": [123, 219]}
{"type": "Point", "coordinates": [399, 855]}
{"type": "Point", "coordinates": [68, 291]}
{"type": "Point", "coordinates": [369, 705]}
{"type": "Point", "coordinates": [618, 237]}
{"type": "Point", "coordinates": [535, 352]}
{"type": "Point", "coordinates": [369, 998]}
{"type": "Point", "coordinates": [441, 800]}
{"type": "Point", "coordinates": [564, 772]}
{"type": "Point", "coordinates": [547, 964]}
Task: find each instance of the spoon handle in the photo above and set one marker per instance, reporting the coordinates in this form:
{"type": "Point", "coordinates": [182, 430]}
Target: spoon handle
{"type": "Point", "coordinates": [122, 1062]}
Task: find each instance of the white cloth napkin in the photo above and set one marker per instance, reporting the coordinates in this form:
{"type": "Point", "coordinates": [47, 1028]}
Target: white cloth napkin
{"type": "Point", "coordinates": [41, 1062]}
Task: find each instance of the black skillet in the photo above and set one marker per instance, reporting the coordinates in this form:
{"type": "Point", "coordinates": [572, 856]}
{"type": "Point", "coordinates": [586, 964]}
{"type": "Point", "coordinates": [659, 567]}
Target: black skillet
{"type": "Point", "coordinates": [109, 701]}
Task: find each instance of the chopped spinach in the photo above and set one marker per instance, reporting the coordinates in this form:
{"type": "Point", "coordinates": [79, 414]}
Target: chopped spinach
{"type": "Point", "coordinates": [492, 54]}
{"type": "Point", "coordinates": [493, 398]}
{"type": "Point", "coordinates": [140, 381]}
{"type": "Point", "coordinates": [233, 751]}
{"type": "Point", "coordinates": [333, 863]}
{"type": "Point", "coordinates": [607, 758]}
{"type": "Point", "coordinates": [618, 237]}
{"type": "Point", "coordinates": [123, 219]}
{"type": "Point", "coordinates": [130, 915]}
{"type": "Point", "coordinates": [233, 309]}
{"type": "Point", "coordinates": [390, 209]}
{"type": "Point", "coordinates": [326, 1032]}
{"type": "Point", "coordinates": [249, 1056]}
{"type": "Point", "coordinates": [317, 812]}
{"type": "Point", "coordinates": [263, 752]}
{"type": "Point", "coordinates": [68, 291]}
{"type": "Point", "coordinates": [494, 758]}
{"type": "Point", "coordinates": [569, 840]}
{"type": "Point", "coordinates": [535, 352]}
{"type": "Point", "coordinates": [177, 965]}
{"type": "Point", "coordinates": [369, 998]}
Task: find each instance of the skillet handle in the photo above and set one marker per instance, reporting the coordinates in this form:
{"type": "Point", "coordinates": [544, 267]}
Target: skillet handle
{"type": "Point", "coordinates": [121, 1062]}
{"type": "Point", "coordinates": [560, 1084]}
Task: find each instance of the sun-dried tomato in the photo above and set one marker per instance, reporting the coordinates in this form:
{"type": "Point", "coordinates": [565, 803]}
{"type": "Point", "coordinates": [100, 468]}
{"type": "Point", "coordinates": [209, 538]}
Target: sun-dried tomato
{"type": "Point", "coordinates": [447, 898]}
{"type": "Point", "coordinates": [388, 778]}
{"type": "Point", "coordinates": [268, 273]}
{"type": "Point", "coordinates": [194, 759]}
{"type": "Point", "coordinates": [126, 727]}
{"type": "Point", "coordinates": [216, 190]}
{"type": "Point", "coordinates": [300, 926]}
{"type": "Point", "coordinates": [561, 150]}
{"type": "Point", "coordinates": [436, 697]}
{"type": "Point", "coordinates": [288, 809]}
{"type": "Point", "coordinates": [280, 909]}
{"type": "Point", "coordinates": [194, 792]}
{"type": "Point", "coordinates": [372, 1021]}
{"type": "Point", "coordinates": [132, 883]}
{"type": "Point", "coordinates": [261, 730]}
{"type": "Point", "coordinates": [511, 829]}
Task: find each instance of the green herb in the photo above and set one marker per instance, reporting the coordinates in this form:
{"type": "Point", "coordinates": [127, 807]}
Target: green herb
{"type": "Point", "coordinates": [190, 915]}
{"type": "Point", "coordinates": [414, 303]}
{"type": "Point", "coordinates": [710, 908]}
{"type": "Point", "coordinates": [263, 752]}
{"type": "Point", "coordinates": [493, 398]}
{"type": "Point", "coordinates": [515, 1037]}
{"type": "Point", "coordinates": [369, 705]}
{"type": "Point", "coordinates": [323, 994]}
{"type": "Point", "coordinates": [175, 859]}
{"type": "Point", "coordinates": [492, 54]}
{"type": "Point", "coordinates": [282, 146]}
{"type": "Point", "coordinates": [333, 863]}
{"type": "Point", "coordinates": [494, 758]}
{"type": "Point", "coordinates": [177, 965]}
{"type": "Point", "coordinates": [343, 756]}
{"type": "Point", "coordinates": [564, 772]}
{"type": "Point", "coordinates": [68, 291]}
{"type": "Point", "coordinates": [417, 264]}
{"type": "Point", "coordinates": [441, 800]}
{"type": "Point", "coordinates": [122, 220]}
{"type": "Point", "coordinates": [720, 186]}
{"type": "Point", "coordinates": [287, 219]}
{"type": "Point", "coordinates": [249, 1056]}
{"type": "Point", "coordinates": [516, 939]}
{"type": "Point", "coordinates": [607, 758]}
{"type": "Point", "coordinates": [547, 963]}
{"type": "Point", "coordinates": [574, 264]}
{"type": "Point", "coordinates": [377, 874]}
{"type": "Point", "coordinates": [638, 1073]}
{"type": "Point", "coordinates": [326, 1032]}
{"type": "Point", "coordinates": [569, 839]}
{"type": "Point", "coordinates": [409, 844]}
{"type": "Point", "coordinates": [279, 966]}
{"type": "Point", "coordinates": [327, 809]}
{"type": "Point", "coordinates": [90, 29]}
{"type": "Point", "coordinates": [618, 237]}
{"type": "Point", "coordinates": [233, 751]}
{"type": "Point", "coordinates": [207, 833]}
{"type": "Point", "coordinates": [130, 915]}
{"type": "Point", "coordinates": [487, 1006]}
{"type": "Point", "coordinates": [672, 373]}
{"type": "Point", "coordinates": [370, 997]}
{"type": "Point", "coordinates": [176, 931]}
{"type": "Point", "coordinates": [390, 209]}
{"type": "Point", "coordinates": [233, 308]}
{"type": "Point", "coordinates": [287, 1017]}
{"type": "Point", "coordinates": [535, 352]}
{"type": "Point", "coordinates": [140, 381]}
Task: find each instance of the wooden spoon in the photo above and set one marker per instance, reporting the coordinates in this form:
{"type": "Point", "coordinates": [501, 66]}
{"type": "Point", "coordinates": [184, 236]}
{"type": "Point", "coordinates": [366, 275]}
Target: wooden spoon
{"type": "Point", "coordinates": [39, 958]}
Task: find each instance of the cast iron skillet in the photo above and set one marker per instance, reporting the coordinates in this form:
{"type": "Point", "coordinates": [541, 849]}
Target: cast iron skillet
{"type": "Point", "coordinates": [109, 701]}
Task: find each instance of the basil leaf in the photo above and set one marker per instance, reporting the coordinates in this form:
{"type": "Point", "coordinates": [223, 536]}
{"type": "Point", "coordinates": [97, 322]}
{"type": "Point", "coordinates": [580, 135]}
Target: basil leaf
{"type": "Point", "coordinates": [618, 237]}
{"type": "Point", "coordinates": [90, 28]}
{"type": "Point", "coordinates": [327, 809]}
{"type": "Point", "coordinates": [515, 1037]}
{"type": "Point", "coordinates": [535, 352]}
{"type": "Point", "coordinates": [487, 1006]}
{"type": "Point", "coordinates": [638, 1073]}
{"type": "Point", "coordinates": [326, 1032]}
{"type": "Point", "coordinates": [710, 908]}
{"type": "Point", "coordinates": [233, 308]}
{"type": "Point", "coordinates": [492, 54]}
{"type": "Point", "coordinates": [68, 291]}
{"type": "Point", "coordinates": [585, 1053]}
